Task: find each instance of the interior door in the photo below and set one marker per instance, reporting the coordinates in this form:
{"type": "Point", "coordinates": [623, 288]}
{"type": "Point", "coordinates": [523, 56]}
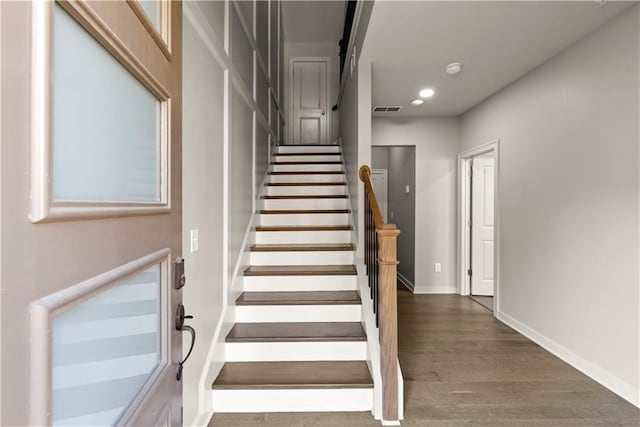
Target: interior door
{"type": "Point", "coordinates": [482, 215]}
{"type": "Point", "coordinates": [309, 102]}
{"type": "Point", "coordinates": [380, 184]}
{"type": "Point", "coordinates": [91, 172]}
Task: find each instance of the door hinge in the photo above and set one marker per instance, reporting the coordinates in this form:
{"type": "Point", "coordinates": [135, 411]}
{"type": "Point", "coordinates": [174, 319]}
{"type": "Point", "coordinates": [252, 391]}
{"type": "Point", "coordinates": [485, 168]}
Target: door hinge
{"type": "Point", "coordinates": [469, 272]}
{"type": "Point", "coordinates": [470, 223]}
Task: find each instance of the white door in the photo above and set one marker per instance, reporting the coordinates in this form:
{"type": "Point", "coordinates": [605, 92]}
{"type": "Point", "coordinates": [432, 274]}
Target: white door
{"type": "Point", "coordinates": [482, 197]}
{"type": "Point", "coordinates": [381, 189]}
{"type": "Point", "coordinates": [93, 218]}
{"type": "Point", "coordinates": [309, 101]}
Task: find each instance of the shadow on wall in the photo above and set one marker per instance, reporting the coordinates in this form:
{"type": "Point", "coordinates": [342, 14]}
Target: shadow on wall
{"type": "Point", "coordinates": [400, 164]}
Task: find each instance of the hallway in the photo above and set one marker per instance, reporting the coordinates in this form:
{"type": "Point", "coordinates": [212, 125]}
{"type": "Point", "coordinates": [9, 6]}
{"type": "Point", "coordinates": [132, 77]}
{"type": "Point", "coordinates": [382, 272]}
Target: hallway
{"type": "Point", "coordinates": [462, 367]}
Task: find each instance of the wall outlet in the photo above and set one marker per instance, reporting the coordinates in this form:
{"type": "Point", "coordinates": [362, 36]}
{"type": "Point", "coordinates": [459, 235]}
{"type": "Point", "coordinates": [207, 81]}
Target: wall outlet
{"type": "Point", "coordinates": [194, 240]}
{"type": "Point", "coordinates": [437, 267]}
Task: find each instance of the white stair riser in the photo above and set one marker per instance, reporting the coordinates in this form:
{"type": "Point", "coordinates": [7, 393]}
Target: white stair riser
{"type": "Point", "coordinates": [304, 219]}
{"type": "Point", "coordinates": [303, 237]}
{"type": "Point", "coordinates": [299, 283]}
{"type": "Point", "coordinates": [308, 149]}
{"type": "Point", "coordinates": [298, 313]}
{"type": "Point", "coordinates": [295, 351]}
{"type": "Point", "coordinates": [279, 204]}
{"type": "Point", "coordinates": [307, 190]}
{"type": "Point", "coordinates": [297, 400]}
{"type": "Point", "coordinates": [302, 258]}
{"type": "Point", "coordinates": [306, 168]}
{"type": "Point", "coordinates": [332, 177]}
{"type": "Point", "coordinates": [309, 158]}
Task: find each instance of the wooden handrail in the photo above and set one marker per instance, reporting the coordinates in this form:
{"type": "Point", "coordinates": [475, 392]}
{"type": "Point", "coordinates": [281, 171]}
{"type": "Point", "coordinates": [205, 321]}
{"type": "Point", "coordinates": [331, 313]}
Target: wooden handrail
{"type": "Point", "coordinates": [382, 268]}
{"type": "Point", "coordinates": [365, 177]}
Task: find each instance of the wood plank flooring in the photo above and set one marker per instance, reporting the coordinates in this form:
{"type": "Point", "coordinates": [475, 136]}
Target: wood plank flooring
{"type": "Point", "coordinates": [463, 368]}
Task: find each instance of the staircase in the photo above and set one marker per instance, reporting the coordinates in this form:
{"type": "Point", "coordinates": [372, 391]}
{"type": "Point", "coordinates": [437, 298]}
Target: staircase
{"type": "Point", "coordinates": [298, 343]}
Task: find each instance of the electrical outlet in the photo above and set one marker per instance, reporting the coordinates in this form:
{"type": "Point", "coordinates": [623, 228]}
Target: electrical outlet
{"type": "Point", "coordinates": [437, 267]}
{"type": "Point", "coordinates": [194, 240]}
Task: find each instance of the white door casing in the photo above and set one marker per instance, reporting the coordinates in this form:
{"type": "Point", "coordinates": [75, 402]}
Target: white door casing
{"type": "Point", "coordinates": [380, 181]}
{"type": "Point", "coordinates": [309, 100]}
{"type": "Point", "coordinates": [482, 226]}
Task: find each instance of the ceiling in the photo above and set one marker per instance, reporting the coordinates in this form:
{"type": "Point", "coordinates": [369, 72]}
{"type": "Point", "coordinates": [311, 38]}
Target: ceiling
{"type": "Point", "coordinates": [410, 43]}
{"type": "Point", "coordinates": [313, 21]}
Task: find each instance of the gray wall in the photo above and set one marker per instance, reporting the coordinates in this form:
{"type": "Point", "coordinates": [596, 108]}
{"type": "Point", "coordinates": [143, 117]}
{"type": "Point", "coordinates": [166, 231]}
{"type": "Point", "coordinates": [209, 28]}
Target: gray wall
{"type": "Point", "coordinates": [437, 146]}
{"type": "Point", "coordinates": [400, 163]}
{"type": "Point", "coordinates": [569, 205]}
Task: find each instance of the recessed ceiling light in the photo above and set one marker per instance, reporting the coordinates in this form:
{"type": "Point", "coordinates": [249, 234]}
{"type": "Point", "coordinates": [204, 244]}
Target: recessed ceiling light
{"type": "Point", "coordinates": [427, 93]}
{"type": "Point", "coordinates": [417, 102]}
{"type": "Point", "coordinates": [453, 68]}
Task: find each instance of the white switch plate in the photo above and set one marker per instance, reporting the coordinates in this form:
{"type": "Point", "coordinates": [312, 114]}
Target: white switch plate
{"type": "Point", "coordinates": [407, 189]}
{"type": "Point", "coordinates": [437, 267]}
{"type": "Point", "coordinates": [194, 240]}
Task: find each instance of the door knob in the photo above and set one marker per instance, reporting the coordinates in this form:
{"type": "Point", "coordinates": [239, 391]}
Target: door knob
{"type": "Point", "coordinates": [323, 112]}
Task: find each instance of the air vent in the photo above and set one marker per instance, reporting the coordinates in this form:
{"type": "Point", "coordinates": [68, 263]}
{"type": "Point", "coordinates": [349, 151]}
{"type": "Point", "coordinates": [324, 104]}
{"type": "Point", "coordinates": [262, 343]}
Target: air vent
{"type": "Point", "coordinates": [386, 109]}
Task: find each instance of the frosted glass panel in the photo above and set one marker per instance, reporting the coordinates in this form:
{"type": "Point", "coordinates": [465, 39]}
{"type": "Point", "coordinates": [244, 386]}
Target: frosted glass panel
{"type": "Point", "coordinates": [106, 124]}
{"type": "Point", "coordinates": [104, 350]}
{"type": "Point", "coordinates": [152, 10]}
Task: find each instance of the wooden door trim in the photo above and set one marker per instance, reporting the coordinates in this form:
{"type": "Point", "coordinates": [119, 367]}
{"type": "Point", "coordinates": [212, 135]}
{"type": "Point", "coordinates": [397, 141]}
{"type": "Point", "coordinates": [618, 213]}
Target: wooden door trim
{"type": "Point", "coordinates": [44, 310]}
{"type": "Point", "coordinates": [291, 85]}
{"type": "Point", "coordinates": [163, 37]}
{"type": "Point", "coordinates": [464, 284]}
{"type": "Point", "coordinates": [43, 207]}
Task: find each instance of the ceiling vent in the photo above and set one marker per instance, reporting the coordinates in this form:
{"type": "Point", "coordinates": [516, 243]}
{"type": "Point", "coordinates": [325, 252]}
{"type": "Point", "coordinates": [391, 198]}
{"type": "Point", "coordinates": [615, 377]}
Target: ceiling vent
{"type": "Point", "coordinates": [386, 109]}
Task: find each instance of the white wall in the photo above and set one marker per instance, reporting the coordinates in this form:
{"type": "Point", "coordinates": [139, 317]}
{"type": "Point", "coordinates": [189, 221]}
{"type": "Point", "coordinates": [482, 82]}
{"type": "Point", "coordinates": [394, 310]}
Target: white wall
{"type": "Point", "coordinates": [569, 202]}
{"type": "Point", "coordinates": [315, 49]}
{"type": "Point", "coordinates": [437, 146]}
{"type": "Point", "coordinates": [203, 141]}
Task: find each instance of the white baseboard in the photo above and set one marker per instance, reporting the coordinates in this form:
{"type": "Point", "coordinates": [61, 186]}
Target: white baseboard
{"type": "Point", "coordinates": [613, 383]}
{"type": "Point", "coordinates": [407, 283]}
{"type": "Point", "coordinates": [435, 290]}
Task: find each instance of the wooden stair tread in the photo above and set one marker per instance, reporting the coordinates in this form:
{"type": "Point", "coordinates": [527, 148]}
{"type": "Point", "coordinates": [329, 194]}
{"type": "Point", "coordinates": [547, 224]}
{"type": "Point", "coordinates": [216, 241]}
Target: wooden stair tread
{"type": "Point", "coordinates": [297, 332]}
{"type": "Point", "coordinates": [302, 247]}
{"type": "Point", "coordinates": [300, 270]}
{"type": "Point", "coordinates": [304, 211]}
{"type": "Point", "coordinates": [314, 153]}
{"type": "Point", "coordinates": [307, 173]}
{"type": "Point", "coordinates": [299, 298]}
{"type": "Point", "coordinates": [303, 228]}
{"type": "Point", "coordinates": [306, 196]}
{"type": "Point", "coordinates": [293, 375]}
{"type": "Point", "coordinates": [302, 184]}
{"type": "Point", "coordinates": [309, 162]}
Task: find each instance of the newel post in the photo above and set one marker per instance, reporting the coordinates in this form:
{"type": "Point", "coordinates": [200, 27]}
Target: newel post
{"type": "Point", "coordinates": [388, 262]}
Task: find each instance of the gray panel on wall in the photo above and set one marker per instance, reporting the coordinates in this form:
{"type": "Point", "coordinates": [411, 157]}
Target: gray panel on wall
{"type": "Point", "coordinates": [213, 11]}
{"type": "Point", "coordinates": [241, 51]}
{"type": "Point", "coordinates": [282, 66]}
{"type": "Point", "coordinates": [262, 30]}
{"type": "Point", "coordinates": [274, 45]}
{"type": "Point", "coordinates": [262, 93]}
{"type": "Point", "coordinates": [274, 115]}
{"type": "Point", "coordinates": [246, 9]}
{"type": "Point", "coordinates": [281, 129]}
{"type": "Point", "coordinates": [262, 151]}
{"type": "Point", "coordinates": [241, 158]}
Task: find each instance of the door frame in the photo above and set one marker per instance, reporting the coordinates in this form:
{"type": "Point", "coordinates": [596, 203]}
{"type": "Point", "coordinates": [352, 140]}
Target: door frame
{"type": "Point", "coordinates": [291, 85]}
{"type": "Point", "coordinates": [464, 206]}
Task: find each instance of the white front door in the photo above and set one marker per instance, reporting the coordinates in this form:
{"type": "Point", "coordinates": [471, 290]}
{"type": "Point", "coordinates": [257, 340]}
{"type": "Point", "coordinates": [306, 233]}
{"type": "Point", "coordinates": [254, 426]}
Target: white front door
{"type": "Point", "coordinates": [381, 189]}
{"type": "Point", "coordinates": [91, 212]}
{"type": "Point", "coordinates": [309, 105]}
{"type": "Point", "coordinates": [482, 198]}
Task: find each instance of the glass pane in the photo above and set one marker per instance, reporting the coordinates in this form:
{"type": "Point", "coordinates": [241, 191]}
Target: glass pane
{"type": "Point", "coordinates": [104, 350]}
{"type": "Point", "coordinates": [152, 9]}
{"type": "Point", "coordinates": [106, 124]}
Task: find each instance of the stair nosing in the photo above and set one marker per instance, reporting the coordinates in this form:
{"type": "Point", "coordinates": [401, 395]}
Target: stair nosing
{"type": "Point", "coordinates": [299, 270]}
{"type": "Point", "coordinates": [292, 337]}
{"type": "Point", "coordinates": [266, 247]}
{"type": "Point", "coordinates": [303, 211]}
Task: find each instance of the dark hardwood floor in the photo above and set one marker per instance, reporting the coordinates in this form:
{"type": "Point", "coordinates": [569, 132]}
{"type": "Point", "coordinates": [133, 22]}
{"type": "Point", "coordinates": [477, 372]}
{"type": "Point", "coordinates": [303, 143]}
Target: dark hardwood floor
{"type": "Point", "coordinates": [462, 367]}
